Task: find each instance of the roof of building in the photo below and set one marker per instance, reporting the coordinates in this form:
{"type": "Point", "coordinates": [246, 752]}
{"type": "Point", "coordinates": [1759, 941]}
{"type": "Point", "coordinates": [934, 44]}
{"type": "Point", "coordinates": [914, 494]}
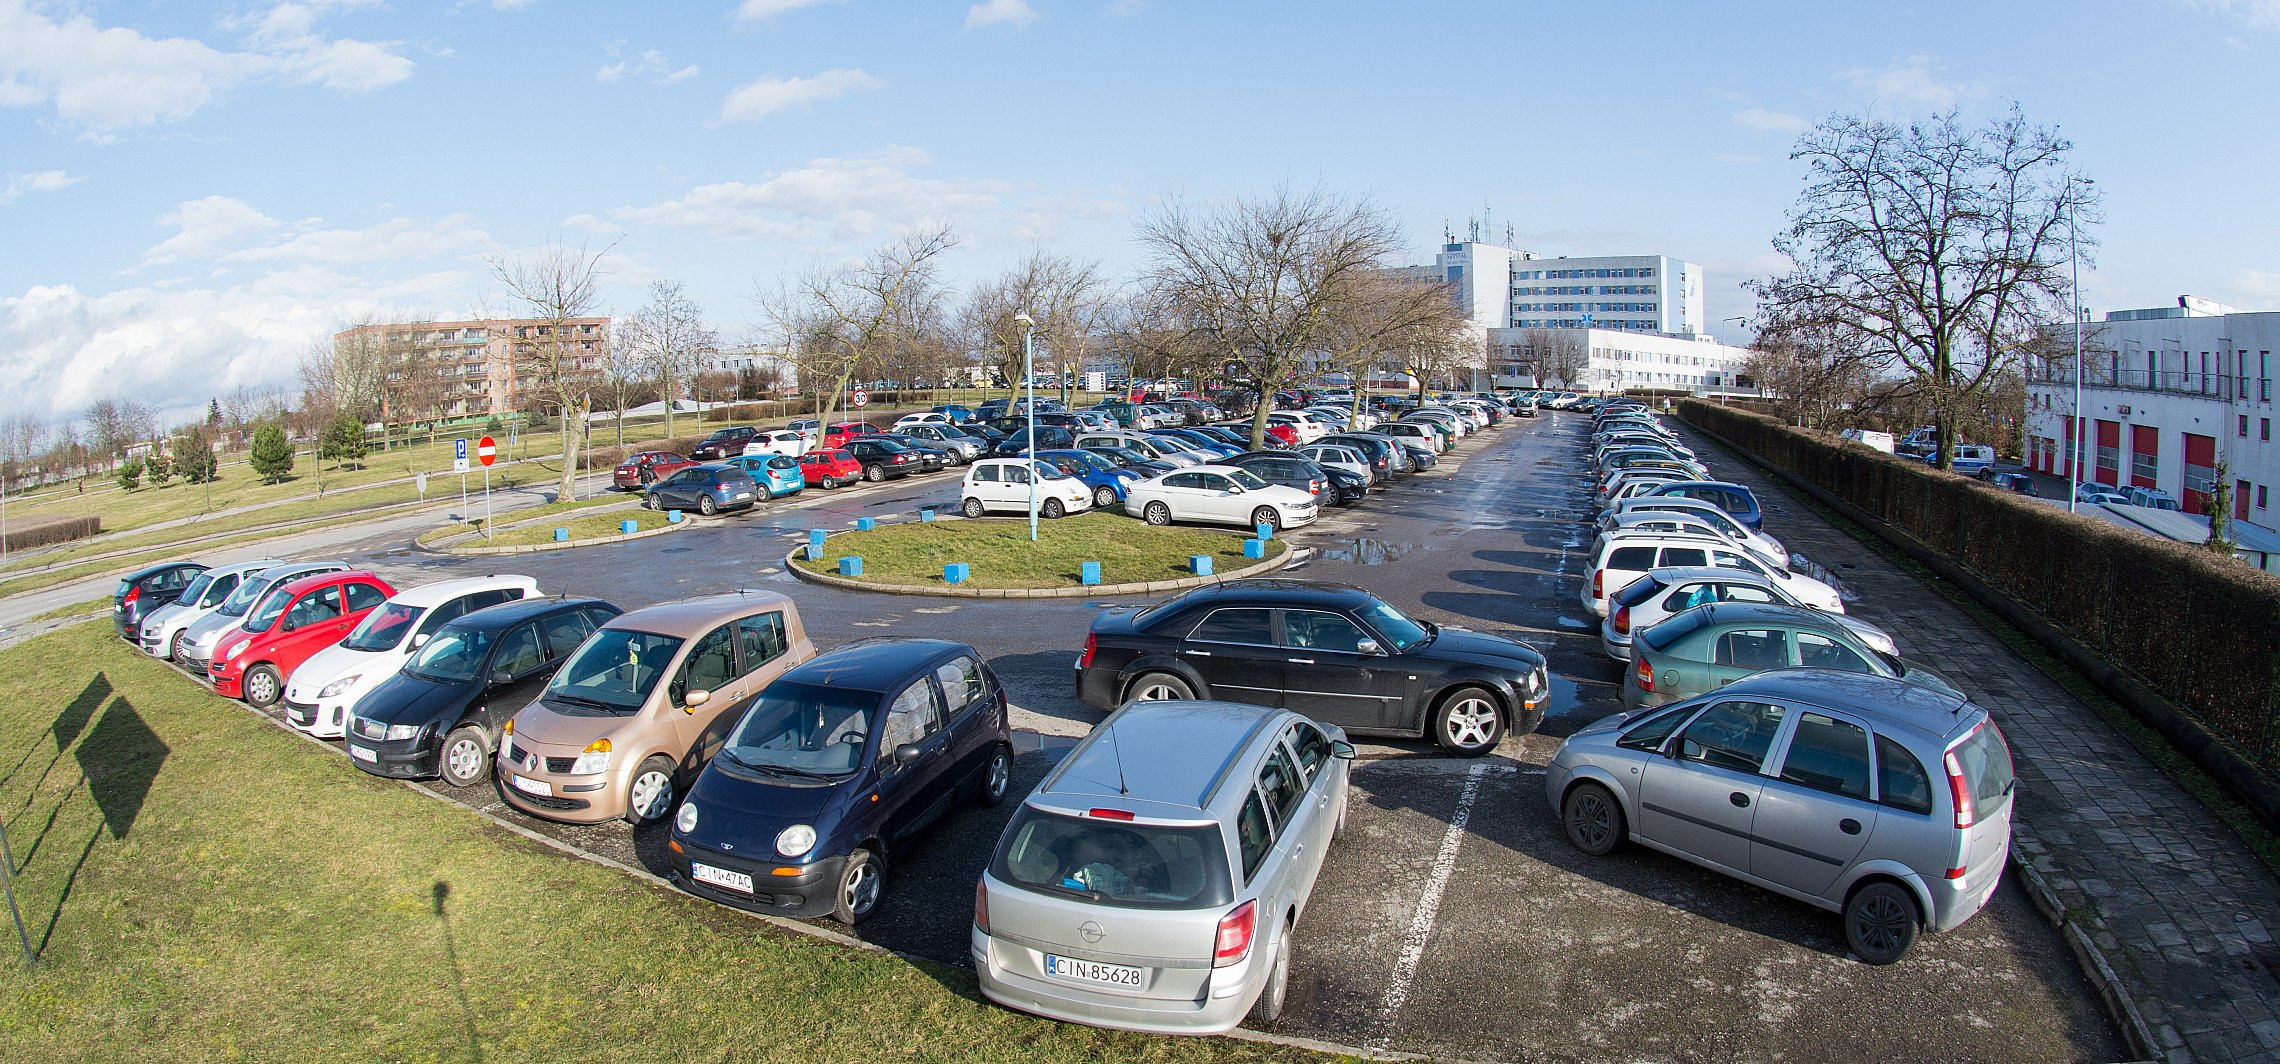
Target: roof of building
{"type": "Point", "coordinates": [2190, 529]}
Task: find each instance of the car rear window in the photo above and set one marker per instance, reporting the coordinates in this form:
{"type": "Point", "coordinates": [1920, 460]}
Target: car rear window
{"type": "Point", "coordinates": [1986, 762]}
{"type": "Point", "coordinates": [1674, 629]}
{"type": "Point", "coordinates": [1636, 559]}
{"type": "Point", "coordinates": [1638, 591]}
{"type": "Point", "coordinates": [1127, 865]}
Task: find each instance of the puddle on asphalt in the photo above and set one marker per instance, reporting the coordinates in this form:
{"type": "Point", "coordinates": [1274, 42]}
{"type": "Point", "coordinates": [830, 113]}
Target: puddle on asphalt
{"type": "Point", "coordinates": [1363, 550]}
{"type": "Point", "coordinates": [677, 550]}
{"type": "Point", "coordinates": [1577, 623]}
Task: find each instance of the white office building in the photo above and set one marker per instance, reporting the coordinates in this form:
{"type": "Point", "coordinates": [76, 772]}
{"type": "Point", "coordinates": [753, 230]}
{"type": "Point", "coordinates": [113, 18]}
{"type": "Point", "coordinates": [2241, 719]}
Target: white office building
{"type": "Point", "coordinates": [2168, 394]}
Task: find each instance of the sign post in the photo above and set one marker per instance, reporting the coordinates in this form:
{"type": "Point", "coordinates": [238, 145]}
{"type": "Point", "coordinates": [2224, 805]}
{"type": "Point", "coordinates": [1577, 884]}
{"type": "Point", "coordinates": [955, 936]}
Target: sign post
{"type": "Point", "coordinates": [861, 397]}
{"type": "Point", "coordinates": [486, 452]}
{"type": "Point", "coordinates": [459, 466]}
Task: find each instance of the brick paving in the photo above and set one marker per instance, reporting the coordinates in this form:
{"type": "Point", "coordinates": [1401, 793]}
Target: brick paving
{"type": "Point", "coordinates": [2172, 897]}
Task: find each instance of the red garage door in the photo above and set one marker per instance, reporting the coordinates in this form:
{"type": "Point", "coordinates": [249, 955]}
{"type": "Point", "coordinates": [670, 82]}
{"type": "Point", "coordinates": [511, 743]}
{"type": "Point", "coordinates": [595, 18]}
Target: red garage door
{"type": "Point", "coordinates": [2200, 472]}
{"type": "Point", "coordinates": [2145, 456]}
{"type": "Point", "coordinates": [2109, 453]}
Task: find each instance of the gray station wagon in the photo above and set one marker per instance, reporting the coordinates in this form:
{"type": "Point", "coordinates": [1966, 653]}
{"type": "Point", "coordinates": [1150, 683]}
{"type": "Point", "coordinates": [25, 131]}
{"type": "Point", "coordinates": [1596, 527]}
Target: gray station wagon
{"type": "Point", "coordinates": [1153, 880]}
{"type": "Point", "coordinates": [1882, 800]}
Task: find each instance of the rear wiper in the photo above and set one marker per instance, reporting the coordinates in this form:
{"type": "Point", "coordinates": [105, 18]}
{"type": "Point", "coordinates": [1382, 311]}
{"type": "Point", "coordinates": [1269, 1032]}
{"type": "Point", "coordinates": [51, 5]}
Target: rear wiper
{"type": "Point", "coordinates": [1074, 892]}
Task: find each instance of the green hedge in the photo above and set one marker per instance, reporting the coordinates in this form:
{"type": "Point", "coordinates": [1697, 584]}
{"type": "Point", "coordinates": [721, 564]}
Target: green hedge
{"type": "Point", "coordinates": [41, 532]}
{"type": "Point", "coordinates": [2202, 629]}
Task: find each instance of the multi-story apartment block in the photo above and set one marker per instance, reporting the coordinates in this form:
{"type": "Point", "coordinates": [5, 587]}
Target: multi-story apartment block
{"type": "Point", "coordinates": [452, 369]}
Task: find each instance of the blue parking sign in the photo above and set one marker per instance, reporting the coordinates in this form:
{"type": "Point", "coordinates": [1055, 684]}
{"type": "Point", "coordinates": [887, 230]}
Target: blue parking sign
{"type": "Point", "coordinates": [459, 448]}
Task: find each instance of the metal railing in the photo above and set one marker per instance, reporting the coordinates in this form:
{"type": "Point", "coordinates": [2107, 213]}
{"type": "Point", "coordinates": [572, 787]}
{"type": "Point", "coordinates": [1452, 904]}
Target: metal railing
{"type": "Point", "coordinates": [2212, 384]}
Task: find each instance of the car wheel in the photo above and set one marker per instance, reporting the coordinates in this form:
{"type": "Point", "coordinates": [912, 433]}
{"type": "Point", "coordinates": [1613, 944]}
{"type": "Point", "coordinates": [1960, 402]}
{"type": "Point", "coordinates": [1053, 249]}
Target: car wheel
{"type": "Point", "coordinates": [262, 686]}
{"type": "Point", "coordinates": [972, 508]}
{"type": "Point", "coordinates": [1268, 516]}
{"type": "Point", "coordinates": [649, 797]}
{"type": "Point", "coordinates": [1270, 1004]}
{"type": "Point", "coordinates": [653, 502]}
{"type": "Point", "coordinates": [174, 646]}
{"type": "Point", "coordinates": [706, 505]}
{"type": "Point", "coordinates": [1104, 497]}
{"type": "Point", "coordinates": [874, 474]}
{"type": "Point", "coordinates": [1593, 818]}
{"type": "Point", "coordinates": [1051, 510]}
{"type": "Point", "coordinates": [998, 778]}
{"type": "Point", "coordinates": [466, 757]}
{"type": "Point", "coordinates": [1880, 922]}
{"type": "Point", "coordinates": [1157, 687]}
{"type": "Point", "coordinates": [1467, 722]}
{"type": "Point", "coordinates": [858, 888]}
{"type": "Point", "coordinates": [1158, 514]}
{"type": "Point", "coordinates": [829, 483]}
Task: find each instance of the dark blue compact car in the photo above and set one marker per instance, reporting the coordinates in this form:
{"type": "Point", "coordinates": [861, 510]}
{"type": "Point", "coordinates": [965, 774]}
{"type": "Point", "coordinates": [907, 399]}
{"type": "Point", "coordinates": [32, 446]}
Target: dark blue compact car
{"type": "Point", "coordinates": [834, 768]}
{"type": "Point", "coordinates": [1104, 477]}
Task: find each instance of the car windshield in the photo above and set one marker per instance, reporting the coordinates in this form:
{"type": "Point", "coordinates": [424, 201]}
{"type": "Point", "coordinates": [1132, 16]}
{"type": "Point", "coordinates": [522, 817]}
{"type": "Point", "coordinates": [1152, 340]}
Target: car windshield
{"type": "Point", "coordinates": [1118, 863]}
{"type": "Point", "coordinates": [191, 592]}
{"type": "Point", "coordinates": [452, 656]}
{"type": "Point", "coordinates": [1048, 471]}
{"type": "Point", "coordinates": [245, 596]}
{"type": "Point", "coordinates": [383, 628]}
{"type": "Point", "coordinates": [1394, 624]}
{"type": "Point", "coordinates": [797, 729]}
{"type": "Point", "coordinates": [267, 612]}
{"type": "Point", "coordinates": [612, 672]}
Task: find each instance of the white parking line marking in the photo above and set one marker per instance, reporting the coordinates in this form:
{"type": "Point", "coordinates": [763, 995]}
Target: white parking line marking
{"type": "Point", "coordinates": [1428, 909]}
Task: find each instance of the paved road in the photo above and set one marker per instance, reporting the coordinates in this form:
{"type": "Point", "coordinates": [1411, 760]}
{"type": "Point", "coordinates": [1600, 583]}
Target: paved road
{"type": "Point", "coordinates": [1493, 940]}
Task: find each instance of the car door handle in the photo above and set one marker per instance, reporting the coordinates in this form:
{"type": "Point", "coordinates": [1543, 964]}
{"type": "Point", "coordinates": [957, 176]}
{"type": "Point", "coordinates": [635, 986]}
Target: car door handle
{"type": "Point", "coordinates": [1198, 653]}
{"type": "Point", "coordinates": [1849, 826]}
{"type": "Point", "coordinates": [1740, 800]}
{"type": "Point", "coordinates": [1300, 661]}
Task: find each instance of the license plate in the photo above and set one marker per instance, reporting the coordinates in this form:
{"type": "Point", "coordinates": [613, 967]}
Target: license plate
{"type": "Point", "coordinates": [530, 786]}
{"type": "Point", "coordinates": [744, 495]}
{"type": "Point", "coordinates": [1117, 975]}
{"type": "Point", "coordinates": [363, 754]}
{"type": "Point", "coordinates": [720, 877]}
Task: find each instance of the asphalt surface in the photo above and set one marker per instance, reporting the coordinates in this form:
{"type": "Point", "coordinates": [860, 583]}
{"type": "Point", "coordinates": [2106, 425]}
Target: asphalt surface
{"type": "Point", "coordinates": [1442, 924]}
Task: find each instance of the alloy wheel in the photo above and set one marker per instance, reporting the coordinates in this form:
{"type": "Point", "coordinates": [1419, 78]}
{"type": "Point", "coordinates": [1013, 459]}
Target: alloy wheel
{"type": "Point", "coordinates": [859, 888]}
{"type": "Point", "coordinates": [1472, 721]}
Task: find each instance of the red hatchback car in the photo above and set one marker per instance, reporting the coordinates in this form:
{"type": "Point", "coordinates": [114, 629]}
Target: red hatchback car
{"type": "Point", "coordinates": [838, 435]}
{"type": "Point", "coordinates": [829, 469]}
{"type": "Point", "coordinates": [287, 627]}
{"type": "Point", "coordinates": [638, 470]}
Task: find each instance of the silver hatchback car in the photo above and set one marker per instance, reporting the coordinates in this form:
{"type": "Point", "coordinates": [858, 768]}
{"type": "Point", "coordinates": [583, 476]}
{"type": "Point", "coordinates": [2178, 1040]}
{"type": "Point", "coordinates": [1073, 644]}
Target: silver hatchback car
{"type": "Point", "coordinates": [1884, 801]}
{"type": "Point", "coordinates": [1153, 880]}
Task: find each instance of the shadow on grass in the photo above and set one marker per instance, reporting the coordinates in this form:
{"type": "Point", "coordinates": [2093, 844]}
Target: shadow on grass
{"type": "Point", "coordinates": [118, 761]}
{"type": "Point", "coordinates": [439, 894]}
{"type": "Point", "coordinates": [66, 728]}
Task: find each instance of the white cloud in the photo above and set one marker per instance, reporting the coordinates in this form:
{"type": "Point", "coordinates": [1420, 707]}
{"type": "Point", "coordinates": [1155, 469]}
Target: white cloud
{"type": "Point", "coordinates": [751, 10]}
{"type": "Point", "coordinates": [1015, 13]}
{"type": "Point", "coordinates": [2261, 14]}
{"type": "Point", "coordinates": [37, 181]}
{"type": "Point", "coordinates": [769, 95]}
{"type": "Point", "coordinates": [1765, 121]}
{"type": "Point", "coordinates": [1911, 85]}
{"type": "Point", "coordinates": [395, 240]}
{"type": "Point", "coordinates": [2257, 289]}
{"type": "Point", "coordinates": [110, 78]}
{"type": "Point", "coordinates": [207, 227]}
{"type": "Point", "coordinates": [590, 224]}
{"type": "Point", "coordinates": [826, 200]}
{"type": "Point", "coordinates": [651, 63]}
{"type": "Point", "coordinates": [510, 5]}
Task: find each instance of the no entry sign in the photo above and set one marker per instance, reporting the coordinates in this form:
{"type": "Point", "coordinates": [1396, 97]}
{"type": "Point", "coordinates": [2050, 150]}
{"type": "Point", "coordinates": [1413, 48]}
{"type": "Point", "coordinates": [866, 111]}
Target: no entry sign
{"type": "Point", "coordinates": [486, 450]}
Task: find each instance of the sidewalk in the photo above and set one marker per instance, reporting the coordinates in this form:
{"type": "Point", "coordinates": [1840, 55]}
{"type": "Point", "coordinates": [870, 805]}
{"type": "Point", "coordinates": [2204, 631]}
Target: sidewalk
{"type": "Point", "coordinates": [2175, 901]}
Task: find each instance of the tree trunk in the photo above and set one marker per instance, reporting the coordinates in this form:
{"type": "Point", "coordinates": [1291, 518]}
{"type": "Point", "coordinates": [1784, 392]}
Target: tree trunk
{"type": "Point", "coordinates": [569, 487]}
{"type": "Point", "coordinates": [1262, 405]}
{"type": "Point", "coordinates": [668, 407]}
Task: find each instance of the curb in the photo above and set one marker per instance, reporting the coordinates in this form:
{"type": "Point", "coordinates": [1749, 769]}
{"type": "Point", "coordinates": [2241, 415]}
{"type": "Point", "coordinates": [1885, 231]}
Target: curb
{"type": "Point", "coordinates": [591, 541]}
{"type": "Point", "coordinates": [1289, 554]}
{"type": "Point", "coordinates": [2095, 967]}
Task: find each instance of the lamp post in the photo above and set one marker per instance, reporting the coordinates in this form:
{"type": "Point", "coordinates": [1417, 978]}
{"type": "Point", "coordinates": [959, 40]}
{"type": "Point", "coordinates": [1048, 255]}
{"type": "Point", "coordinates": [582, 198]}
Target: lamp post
{"type": "Point", "coordinates": [1029, 382]}
{"type": "Point", "coordinates": [2075, 434]}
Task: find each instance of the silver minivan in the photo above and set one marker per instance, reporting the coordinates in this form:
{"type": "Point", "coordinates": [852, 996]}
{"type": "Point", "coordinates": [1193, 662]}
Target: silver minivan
{"type": "Point", "coordinates": [1153, 880]}
{"type": "Point", "coordinates": [1871, 797]}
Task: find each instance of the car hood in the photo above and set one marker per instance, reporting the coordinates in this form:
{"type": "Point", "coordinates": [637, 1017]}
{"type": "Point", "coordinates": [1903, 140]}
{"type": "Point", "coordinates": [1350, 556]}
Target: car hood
{"type": "Point", "coordinates": [163, 615]}
{"type": "Point", "coordinates": [744, 816]}
{"type": "Point", "coordinates": [330, 664]}
{"type": "Point", "coordinates": [208, 631]}
{"type": "Point", "coordinates": [1481, 648]}
{"type": "Point", "coordinates": [407, 699]}
{"type": "Point", "coordinates": [541, 723]}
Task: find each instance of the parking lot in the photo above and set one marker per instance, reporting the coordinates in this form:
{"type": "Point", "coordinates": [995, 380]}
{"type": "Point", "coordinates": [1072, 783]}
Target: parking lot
{"type": "Point", "coordinates": [1452, 918]}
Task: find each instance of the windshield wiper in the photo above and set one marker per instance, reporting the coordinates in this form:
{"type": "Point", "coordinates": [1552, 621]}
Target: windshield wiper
{"type": "Point", "coordinates": [770, 766]}
{"type": "Point", "coordinates": [1074, 892]}
{"type": "Point", "coordinates": [562, 696]}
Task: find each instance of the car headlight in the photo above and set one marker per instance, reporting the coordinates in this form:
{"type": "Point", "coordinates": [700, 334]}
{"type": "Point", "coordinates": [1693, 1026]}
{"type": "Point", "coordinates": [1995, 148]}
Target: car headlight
{"type": "Point", "coordinates": [400, 732]}
{"type": "Point", "coordinates": [596, 758]}
{"type": "Point", "coordinates": [687, 821]}
{"type": "Point", "coordinates": [237, 648]}
{"type": "Point", "coordinates": [795, 840]}
{"type": "Point", "coordinates": [339, 686]}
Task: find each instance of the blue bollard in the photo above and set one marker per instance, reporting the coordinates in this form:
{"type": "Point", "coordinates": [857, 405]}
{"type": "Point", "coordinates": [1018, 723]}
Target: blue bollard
{"type": "Point", "coordinates": [672, 517]}
{"type": "Point", "coordinates": [955, 573]}
{"type": "Point", "coordinates": [865, 524]}
{"type": "Point", "coordinates": [1090, 573]}
{"type": "Point", "coordinates": [926, 514]}
{"type": "Point", "coordinates": [815, 543]}
{"type": "Point", "coordinates": [1254, 548]}
{"type": "Point", "coordinates": [561, 535]}
{"type": "Point", "coordinates": [629, 526]}
{"type": "Point", "coordinates": [851, 565]}
{"type": "Point", "coordinates": [1265, 531]}
{"type": "Point", "coordinates": [1200, 564]}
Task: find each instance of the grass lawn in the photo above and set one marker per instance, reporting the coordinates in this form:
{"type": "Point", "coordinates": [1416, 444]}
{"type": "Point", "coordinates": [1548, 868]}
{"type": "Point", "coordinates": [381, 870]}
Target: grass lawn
{"type": "Point", "coordinates": [204, 886]}
{"type": "Point", "coordinates": [1001, 555]}
{"type": "Point", "coordinates": [588, 526]}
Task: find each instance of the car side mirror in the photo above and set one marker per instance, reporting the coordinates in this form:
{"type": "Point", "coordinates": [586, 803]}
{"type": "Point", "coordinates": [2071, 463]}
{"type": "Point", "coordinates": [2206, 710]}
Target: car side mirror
{"type": "Point", "coordinates": [1341, 749]}
{"type": "Point", "coordinates": [1368, 646]}
{"type": "Point", "coordinates": [906, 753]}
{"type": "Point", "coordinates": [501, 677]}
{"type": "Point", "coordinates": [690, 701]}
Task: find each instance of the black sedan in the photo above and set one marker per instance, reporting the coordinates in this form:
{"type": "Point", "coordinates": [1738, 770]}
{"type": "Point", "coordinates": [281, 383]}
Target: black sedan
{"type": "Point", "coordinates": [1335, 653]}
{"type": "Point", "coordinates": [147, 589]}
{"type": "Point", "coordinates": [1285, 468]}
{"type": "Point", "coordinates": [441, 715]}
{"type": "Point", "coordinates": [932, 454]}
{"type": "Point", "coordinates": [886, 459]}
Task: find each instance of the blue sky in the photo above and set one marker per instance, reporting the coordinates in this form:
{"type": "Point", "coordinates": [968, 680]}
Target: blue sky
{"type": "Point", "coordinates": [191, 194]}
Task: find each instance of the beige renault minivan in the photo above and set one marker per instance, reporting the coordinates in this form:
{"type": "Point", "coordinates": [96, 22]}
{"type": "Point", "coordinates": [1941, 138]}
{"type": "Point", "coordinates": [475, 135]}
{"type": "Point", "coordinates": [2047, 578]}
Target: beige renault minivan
{"type": "Point", "coordinates": [643, 703]}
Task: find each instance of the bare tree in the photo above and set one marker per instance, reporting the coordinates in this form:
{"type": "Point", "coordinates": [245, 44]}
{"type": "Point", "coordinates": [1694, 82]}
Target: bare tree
{"type": "Point", "coordinates": [670, 335]}
{"type": "Point", "coordinates": [1824, 375]}
{"type": "Point", "coordinates": [556, 285]}
{"type": "Point", "coordinates": [1391, 321]}
{"type": "Point", "coordinates": [1261, 280]}
{"type": "Point", "coordinates": [1061, 295]}
{"type": "Point", "coordinates": [1560, 357]}
{"type": "Point", "coordinates": [1943, 248]}
{"type": "Point", "coordinates": [835, 321]}
{"type": "Point", "coordinates": [1147, 335]}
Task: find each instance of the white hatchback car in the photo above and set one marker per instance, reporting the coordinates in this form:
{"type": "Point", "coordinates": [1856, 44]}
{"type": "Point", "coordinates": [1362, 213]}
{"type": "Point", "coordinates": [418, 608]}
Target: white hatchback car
{"type": "Point", "coordinates": [325, 689]}
{"type": "Point", "coordinates": [1625, 557]}
{"type": "Point", "coordinates": [1220, 495]}
{"type": "Point", "coordinates": [785, 442]}
{"type": "Point", "coordinates": [1004, 484]}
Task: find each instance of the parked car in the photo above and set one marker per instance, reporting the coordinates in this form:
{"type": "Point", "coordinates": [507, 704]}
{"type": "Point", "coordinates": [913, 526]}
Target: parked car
{"type": "Point", "coordinates": [708, 489]}
{"type": "Point", "coordinates": [1885, 802]}
{"type": "Point", "coordinates": [643, 703]}
{"type": "Point", "coordinates": [1367, 667]}
{"type": "Point", "coordinates": [1218, 494]}
{"type": "Point", "coordinates": [2017, 483]}
{"type": "Point", "coordinates": [1048, 437]}
{"type": "Point", "coordinates": [1624, 558]}
{"type": "Point", "coordinates": [790, 443]}
{"type": "Point", "coordinates": [1717, 523]}
{"type": "Point", "coordinates": [2152, 498]}
{"type": "Point", "coordinates": [829, 469]}
{"type": "Point", "coordinates": [1664, 593]}
{"type": "Point", "coordinates": [888, 460]}
{"type": "Point", "coordinates": [441, 714]}
{"type": "Point", "coordinates": [809, 429]}
{"type": "Point", "coordinates": [838, 435]}
{"type": "Point", "coordinates": [289, 626]}
{"type": "Point", "coordinates": [1713, 645]}
{"type": "Point", "coordinates": [1969, 458]}
{"type": "Point", "coordinates": [1095, 470]}
{"type": "Point", "coordinates": [147, 589]}
{"type": "Point", "coordinates": [1732, 498]}
{"type": "Point", "coordinates": [949, 438]}
{"type": "Point", "coordinates": [1421, 457]}
{"type": "Point", "coordinates": [723, 443]}
{"type": "Point", "coordinates": [776, 474]}
{"type": "Point", "coordinates": [1196, 830]}
{"type": "Point", "coordinates": [1429, 438]}
{"type": "Point", "coordinates": [640, 468]}
{"type": "Point", "coordinates": [320, 695]}
{"type": "Point", "coordinates": [1336, 456]}
{"type": "Point", "coordinates": [933, 457]}
{"type": "Point", "coordinates": [1211, 447]}
{"type": "Point", "coordinates": [957, 414]}
{"type": "Point", "coordinates": [162, 629]}
{"type": "Point", "coordinates": [1152, 448]}
{"type": "Point", "coordinates": [924, 417]}
{"type": "Point", "coordinates": [1309, 427]}
{"type": "Point", "coordinates": [2100, 493]}
{"type": "Point", "coordinates": [1386, 457]}
{"type": "Point", "coordinates": [195, 648]}
{"type": "Point", "coordinates": [1003, 484]}
{"type": "Point", "coordinates": [1284, 468]}
{"type": "Point", "coordinates": [1700, 510]}
{"type": "Point", "coordinates": [837, 768]}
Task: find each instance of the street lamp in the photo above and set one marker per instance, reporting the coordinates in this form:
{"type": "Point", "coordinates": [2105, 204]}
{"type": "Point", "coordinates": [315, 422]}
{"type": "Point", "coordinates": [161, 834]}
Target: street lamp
{"type": "Point", "coordinates": [2075, 434]}
{"type": "Point", "coordinates": [1029, 381]}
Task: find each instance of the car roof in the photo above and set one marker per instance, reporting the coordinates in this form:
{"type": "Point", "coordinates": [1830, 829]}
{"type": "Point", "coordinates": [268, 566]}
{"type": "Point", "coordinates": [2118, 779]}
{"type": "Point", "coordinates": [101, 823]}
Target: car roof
{"type": "Point", "coordinates": [1170, 753]}
{"type": "Point", "coordinates": [153, 570]}
{"type": "Point", "coordinates": [1768, 613]}
{"type": "Point", "coordinates": [243, 568]}
{"type": "Point", "coordinates": [1728, 485]}
{"type": "Point", "coordinates": [1679, 574]}
{"type": "Point", "coordinates": [1930, 712]}
{"type": "Point", "coordinates": [428, 596]}
{"type": "Point", "coordinates": [1278, 592]}
{"type": "Point", "coordinates": [508, 614]}
{"type": "Point", "coordinates": [299, 584]}
{"type": "Point", "coordinates": [690, 618]}
{"type": "Point", "coordinates": [878, 665]}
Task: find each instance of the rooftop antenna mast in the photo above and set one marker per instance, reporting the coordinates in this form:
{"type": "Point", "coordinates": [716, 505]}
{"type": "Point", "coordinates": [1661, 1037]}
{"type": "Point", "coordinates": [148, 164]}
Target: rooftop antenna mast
{"type": "Point", "coordinates": [1117, 751]}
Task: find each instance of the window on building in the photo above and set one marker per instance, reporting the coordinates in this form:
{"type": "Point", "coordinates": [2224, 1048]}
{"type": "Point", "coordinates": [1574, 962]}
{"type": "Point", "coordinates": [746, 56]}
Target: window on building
{"type": "Point", "coordinates": [2244, 426]}
{"type": "Point", "coordinates": [2264, 428]}
{"type": "Point", "coordinates": [2261, 490]}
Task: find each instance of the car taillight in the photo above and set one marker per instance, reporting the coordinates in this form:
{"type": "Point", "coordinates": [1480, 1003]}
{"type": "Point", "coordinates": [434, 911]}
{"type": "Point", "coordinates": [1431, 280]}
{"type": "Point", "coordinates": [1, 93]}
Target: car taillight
{"type": "Point", "coordinates": [1622, 620]}
{"type": "Point", "coordinates": [1966, 811]}
{"type": "Point", "coordinates": [1092, 643]}
{"type": "Point", "coordinates": [1644, 672]}
{"type": "Point", "coordinates": [982, 906]}
{"type": "Point", "coordinates": [901, 458]}
{"type": "Point", "coordinates": [133, 593]}
{"type": "Point", "coordinates": [1314, 486]}
{"type": "Point", "coordinates": [1235, 930]}
{"type": "Point", "coordinates": [1598, 583]}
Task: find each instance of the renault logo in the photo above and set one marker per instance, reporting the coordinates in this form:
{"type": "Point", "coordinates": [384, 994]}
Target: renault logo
{"type": "Point", "coordinates": [1092, 931]}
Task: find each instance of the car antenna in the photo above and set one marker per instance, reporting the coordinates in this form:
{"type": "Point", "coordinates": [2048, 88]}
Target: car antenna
{"type": "Point", "coordinates": [1117, 751]}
